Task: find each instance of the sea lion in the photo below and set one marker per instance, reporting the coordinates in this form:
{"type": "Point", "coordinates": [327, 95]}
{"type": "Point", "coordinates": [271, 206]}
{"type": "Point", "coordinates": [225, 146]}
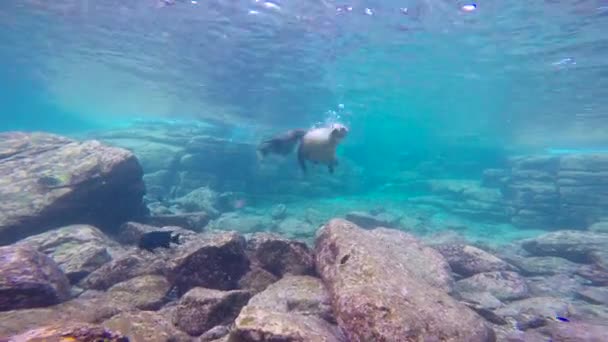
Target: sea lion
{"type": "Point", "coordinates": [317, 145]}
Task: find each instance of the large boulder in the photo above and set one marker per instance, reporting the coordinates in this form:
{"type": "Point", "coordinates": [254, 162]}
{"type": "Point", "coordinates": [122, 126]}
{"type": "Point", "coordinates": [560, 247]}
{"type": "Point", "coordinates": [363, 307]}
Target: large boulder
{"type": "Point", "coordinates": [77, 249]}
{"type": "Point", "coordinates": [30, 279]}
{"type": "Point", "coordinates": [280, 256]}
{"type": "Point", "coordinates": [48, 181]}
{"type": "Point", "coordinates": [201, 309]}
{"type": "Point", "coordinates": [385, 286]}
{"type": "Point", "coordinates": [469, 260]}
{"type": "Point", "coordinates": [296, 308]}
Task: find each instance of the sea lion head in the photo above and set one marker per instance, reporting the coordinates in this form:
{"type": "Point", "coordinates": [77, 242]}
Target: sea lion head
{"type": "Point", "coordinates": [338, 132]}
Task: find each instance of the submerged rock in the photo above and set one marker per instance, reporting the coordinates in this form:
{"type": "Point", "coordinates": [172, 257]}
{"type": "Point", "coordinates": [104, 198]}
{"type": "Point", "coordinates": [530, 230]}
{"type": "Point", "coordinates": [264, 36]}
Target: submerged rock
{"type": "Point", "coordinates": [594, 295]}
{"type": "Point", "coordinates": [369, 221]}
{"type": "Point", "coordinates": [504, 285]}
{"type": "Point", "coordinates": [257, 280]}
{"type": "Point", "coordinates": [279, 255]}
{"type": "Point", "coordinates": [201, 309]}
{"type": "Point", "coordinates": [537, 266]}
{"type": "Point", "coordinates": [576, 331]}
{"type": "Point", "coordinates": [145, 326]}
{"type": "Point", "coordinates": [535, 312]}
{"type": "Point", "coordinates": [146, 292]}
{"type": "Point", "coordinates": [215, 261]}
{"type": "Point", "coordinates": [575, 246]}
{"type": "Point", "coordinates": [468, 260]}
{"type": "Point", "coordinates": [30, 279]}
{"type": "Point", "coordinates": [242, 223]}
{"type": "Point", "coordinates": [296, 308]}
{"type": "Point", "coordinates": [195, 221]}
{"type": "Point", "coordinates": [77, 249]}
{"type": "Point", "coordinates": [62, 181]}
{"type": "Point", "coordinates": [71, 332]}
{"type": "Point", "coordinates": [385, 286]}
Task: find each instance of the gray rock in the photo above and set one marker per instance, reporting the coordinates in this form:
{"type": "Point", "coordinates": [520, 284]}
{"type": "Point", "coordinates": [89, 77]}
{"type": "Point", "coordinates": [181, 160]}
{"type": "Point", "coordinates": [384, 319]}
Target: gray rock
{"type": "Point", "coordinates": [242, 223]}
{"type": "Point", "coordinates": [576, 331]}
{"type": "Point", "coordinates": [77, 249]}
{"type": "Point", "coordinates": [62, 182]}
{"type": "Point", "coordinates": [202, 199]}
{"type": "Point", "coordinates": [469, 260]}
{"type": "Point", "coordinates": [280, 256]}
{"type": "Point", "coordinates": [536, 266]}
{"type": "Point", "coordinates": [381, 278]}
{"type": "Point", "coordinates": [215, 333]}
{"type": "Point", "coordinates": [597, 275]}
{"type": "Point", "coordinates": [196, 221]}
{"type": "Point", "coordinates": [77, 331]}
{"type": "Point", "coordinates": [369, 221]}
{"type": "Point", "coordinates": [201, 309]}
{"type": "Point", "coordinates": [257, 280]}
{"type": "Point", "coordinates": [599, 227]}
{"type": "Point", "coordinates": [146, 326]}
{"type": "Point", "coordinates": [279, 212]}
{"type": "Point", "coordinates": [296, 308]}
{"type": "Point", "coordinates": [572, 245]}
{"type": "Point", "coordinates": [146, 292]}
{"type": "Point", "coordinates": [559, 285]}
{"type": "Point", "coordinates": [535, 312]}
{"type": "Point", "coordinates": [594, 295]}
{"type": "Point", "coordinates": [504, 285]}
{"type": "Point", "coordinates": [216, 261]}
{"type": "Point", "coordinates": [296, 229]}
{"type": "Point", "coordinates": [30, 279]}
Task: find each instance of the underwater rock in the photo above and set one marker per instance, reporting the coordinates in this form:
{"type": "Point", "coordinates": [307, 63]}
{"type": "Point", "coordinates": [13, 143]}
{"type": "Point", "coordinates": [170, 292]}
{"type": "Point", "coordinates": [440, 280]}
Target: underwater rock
{"type": "Point", "coordinates": [131, 232]}
{"type": "Point", "coordinates": [30, 279]}
{"type": "Point", "coordinates": [534, 312]}
{"type": "Point", "coordinates": [296, 308]}
{"type": "Point", "coordinates": [558, 285]}
{"type": "Point", "coordinates": [599, 227]}
{"type": "Point", "coordinates": [594, 295]}
{"type": "Point", "coordinates": [191, 221]}
{"type": "Point", "coordinates": [549, 265]}
{"type": "Point", "coordinates": [480, 299]}
{"type": "Point", "coordinates": [576, 331]}
{"type": "Point", "coordinates": [153, 156]}
{"type": "Point", "coordinates": [257, 280]}
{"type": "Point", "coordinates": [596, 274]}
{"type": "Point", "coordinates": [504, 285]}
{"type": "Point", "coordinates": [280, 256]}
{"type": "Point", "coordinates": [145, 326]}
{"type": "Point", "coordinates": [494, 178]}
{"type": "Point", "coordinates": [144, 292]}
{"type": "Point", "coordinates": [130, 265]}
{"type": "Point", "coordinates": [62, 182]}
{"type": "Point", "coordinates": [202, 199]}
{"type": "Point", "coordinates": [216, 261]}
{"type": "Point", "coordinates": [71, 332]}
{"type": "Point", "coordinates": [279, 212]}
{"type": "Point", "coordinates": [296, 229]}
{"type": "Point", "coordinates": [77, 249]}
{"type": "Point", "coordinates": [384, 285]}
{"type": "Point", "coordinates": [369, 221]}
{"type": "Point", "coordinates": [219, 333]}
{"type": "Point", "coordinates": [201, 309]}
{"type": "Point", "coordinates": [468, 260]}
{"type": "Point", "coordinates": [573, 245]}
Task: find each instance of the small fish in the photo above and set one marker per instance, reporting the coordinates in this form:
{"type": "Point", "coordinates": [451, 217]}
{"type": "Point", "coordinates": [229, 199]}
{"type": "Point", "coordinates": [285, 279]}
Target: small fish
{"type": "Point", "coordinates": [469, 8]}
{"type": "Point", "coordinates": [563, 319]}
{"type": "Point", "coordinates": [150, 241]}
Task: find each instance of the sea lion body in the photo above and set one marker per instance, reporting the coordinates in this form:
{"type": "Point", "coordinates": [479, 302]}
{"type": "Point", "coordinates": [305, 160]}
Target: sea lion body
{"type": "Point", "coordinates": [317, 145]}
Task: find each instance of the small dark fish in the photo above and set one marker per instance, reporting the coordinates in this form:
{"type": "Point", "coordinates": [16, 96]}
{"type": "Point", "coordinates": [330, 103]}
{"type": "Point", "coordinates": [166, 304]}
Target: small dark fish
{"type": "Point", "coordinates": [563, 319]}
{"type": "Point", "coordinates": [150, 241]}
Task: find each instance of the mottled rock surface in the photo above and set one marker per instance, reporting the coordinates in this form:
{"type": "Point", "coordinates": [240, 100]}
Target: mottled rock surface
{"type": "Point", "coordinates": [71, 332]}
{"type": "Point", "coordinates": [469, 260]}
{"type": "Point", "coordinates": [201, 309]}
{"type": "Point", "coordinates": [378, 295]}
{"type": "Point", "coordinates": [575, 246]}
{"type": "Point", "coordinates": [535, 312]}
{"type": "Point", "coordinates": [369, 221]}
{"type": "Point", "coordinates": [30, 279]}
{"type": "Point", "coordinates": [144, 326]}
{"type": "Point", "coordinates": [61, 182]}
{"type": "Point", "coordinates": [576, 331]}
{"type": "Point", "coordinates": [279, 255]}
{"type": "Point", "coordinates": [145, 292]}
{"type": "Point", "coordinates": [594, 295]}
{"type": "Point", "coordinates": [504, 285]}
{"type": "Point", "coordinates": [538, 266]}
{"type": "Point", "coordinates": [77, 249]}
{"type": "Point", "coordinates": [296, 308]}
{"type": "Point", "coordinates": [257, 280]}
{"type": "Point", "coordinates": [215, 261]}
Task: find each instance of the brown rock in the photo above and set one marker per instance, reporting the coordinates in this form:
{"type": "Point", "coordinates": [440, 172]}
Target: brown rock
{"type": "Point", "coordinates": [201, 309]}
{"type": "Point", "coordinates": [257, 280]}
{"type": "Point", "coordinates": [145, 292]}
{"type": "Point", "coordinates": [70, 332]}
{"type": "Point", "coordinates": [145, 326]}
{"type": "Point", "coordinates": [280, 256]}
{"type": "Point", "coordinates": [379, 295]}
{"type": "Point", "coordinates": [30, 279]}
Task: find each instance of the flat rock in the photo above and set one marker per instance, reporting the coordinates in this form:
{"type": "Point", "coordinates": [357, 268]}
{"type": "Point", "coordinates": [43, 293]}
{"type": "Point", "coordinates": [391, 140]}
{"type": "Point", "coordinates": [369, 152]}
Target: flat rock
{"type": "Point", "coordinates": [202, 199]}
{"type": "Point", "coordinates": [145, 292]}
{"type": "Point", "coordinates": [296, 229]}
{"type": "Point", "coordinates": [535, 312]}
{"type": "Point", "coordinates": [469, 260]}
{"type": "Point", "coordinates": [201, 309]}
{"type": "Point", "coordinates": [145, 326]}
{"type": "Point", "coordinates": [71, 332]}
{"type": "Point", "coordinates": [385, 286]}
{"type": "Point", "coordinates": [576, 331]}
{"type": "Point", "coordinates": [594, 295]}
{"type": "Point", "coordinates": [369, 221]}
{"type": "Point", "coordinates": [77, 249]}
{"type": "Point", "coordinates": [62, 181]}
{"type": "Point", "coordinates": [570, 244]}
{"type": "Point", "coordinates": [597, 275]}
{"type": "Point", "coordinates": [215, 261]}
{"type": "Point", "coordinates": [296, 308]}
{"type": "Point", "coordinates": [537, 266]}
{"type": "Point", "coordinates": [133, 264]}
{"type": "Point", "coordinates": [257, 280]}
{"type": "Point", "coordinates": [280, 256]}
{"type": "Point", "coordinates": [558, 285]}
{"type": "Point", "coordinates": [504, 285]}
{"type": "Point", "coordinates": [30, 279]}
